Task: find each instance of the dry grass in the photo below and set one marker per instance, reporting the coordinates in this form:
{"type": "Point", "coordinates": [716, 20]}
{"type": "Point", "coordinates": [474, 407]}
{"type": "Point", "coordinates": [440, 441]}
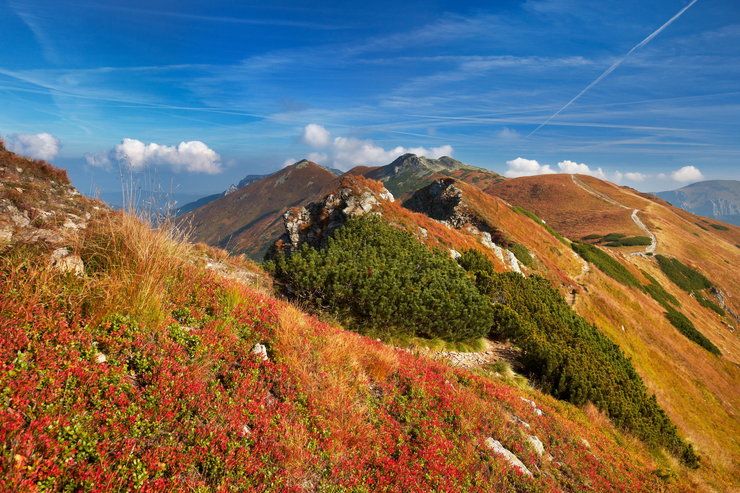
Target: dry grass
{"type": "Point", "coordinates": [132, 265]}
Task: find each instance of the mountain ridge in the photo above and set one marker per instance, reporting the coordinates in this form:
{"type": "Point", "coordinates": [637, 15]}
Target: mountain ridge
{"type": "Point", "coordinates": [716, 199]}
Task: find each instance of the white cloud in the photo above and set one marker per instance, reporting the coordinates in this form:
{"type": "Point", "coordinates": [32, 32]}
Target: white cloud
{"type": "Point", "coordinates": [99, 159]}
{"type": "Point", "coordinates": [686, 174]}
{"type": "Point", "coordinates": [346, 152]}
{"type": "Point", "coordinates": [318, 157]}
{"type": "Point", "coordinates": [507, 133]}
{"type": "Point", "coordinates": [635, 176]}
{"type": "Point", "coordinates": [573, 168]}
{"type": "Point", "coordinates": [526, 167]}
{"type": "Point", "coordinates": [192, 157]}
{"type": "Point", "coordinates": [36, 146]}
{"type": "Point", "coordinates": [289, 161]}
{"type": "Point", "coordinates": [316, 135]}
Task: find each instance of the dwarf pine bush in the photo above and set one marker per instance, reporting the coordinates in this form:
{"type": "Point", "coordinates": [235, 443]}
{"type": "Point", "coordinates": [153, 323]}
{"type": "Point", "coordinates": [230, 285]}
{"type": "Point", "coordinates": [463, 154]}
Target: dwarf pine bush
{"type": "Point", "coordinates": [380, 280]}
{"type": "Point", "coordinates": [570, 358]}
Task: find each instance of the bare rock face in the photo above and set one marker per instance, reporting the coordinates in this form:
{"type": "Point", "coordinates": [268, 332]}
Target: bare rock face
{"type": "Point", "coordinates": [443, 201]}
{"type": "Point", "coordinates": [314, 223]}
{"type": "Point", "coordinates": [64, 261]}
{"type": "Point", "coordinates": [512, 459]}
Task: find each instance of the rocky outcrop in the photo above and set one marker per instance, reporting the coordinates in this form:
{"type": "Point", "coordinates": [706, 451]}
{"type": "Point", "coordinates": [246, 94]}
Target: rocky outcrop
{"type": "Point", "coordinates": [314, 223]}
{"type": "Point", "coordinates": [512, 459]}
{"type": "Point", "coordinates": [38, 205]}
{"type": "Point", "coordinates": [443, 201]}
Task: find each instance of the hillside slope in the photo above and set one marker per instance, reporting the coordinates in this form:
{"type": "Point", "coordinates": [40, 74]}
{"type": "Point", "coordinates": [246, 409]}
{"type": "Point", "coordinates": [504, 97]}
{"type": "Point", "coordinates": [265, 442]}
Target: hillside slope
{"type": "Point", "coordinates": [705, 408]}
{"type": "Point", "coordinates": [148, 370]}
{"type": "Point", "coordinates": [249, 219]}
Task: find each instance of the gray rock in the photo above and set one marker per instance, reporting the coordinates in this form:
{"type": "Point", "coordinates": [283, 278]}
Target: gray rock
{"type": "Point", "coordinates": [496, 446]}
{"type": "Point", "coordinates": [63, 261]}
{"type": "Point", "coordinates": [536, 444]}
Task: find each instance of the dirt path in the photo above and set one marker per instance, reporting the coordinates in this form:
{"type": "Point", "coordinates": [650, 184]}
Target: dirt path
{"type": "Point", "coordinates": [650, 249]}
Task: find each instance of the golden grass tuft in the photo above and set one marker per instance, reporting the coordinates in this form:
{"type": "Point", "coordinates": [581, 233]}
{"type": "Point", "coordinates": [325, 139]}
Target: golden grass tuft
{"type": "Point", "coordinates": [132, 265]}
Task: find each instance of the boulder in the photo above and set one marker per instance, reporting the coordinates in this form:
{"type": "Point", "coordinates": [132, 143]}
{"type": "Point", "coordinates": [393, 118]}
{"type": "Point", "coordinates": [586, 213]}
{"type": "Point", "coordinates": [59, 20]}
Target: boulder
{"type": "Point", "coordinates": [499, 449]}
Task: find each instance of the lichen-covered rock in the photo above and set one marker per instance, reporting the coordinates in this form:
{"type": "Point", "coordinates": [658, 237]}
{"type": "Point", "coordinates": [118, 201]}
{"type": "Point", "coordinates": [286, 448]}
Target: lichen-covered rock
{"type": "Point", "coordinates": [536, 444]}
{"type": "Point", "coordinates": [314, 223]}
{"type": "Point", "coordinates": [64, 261]}
{"type": "Point", "coordinates": [496, 446]}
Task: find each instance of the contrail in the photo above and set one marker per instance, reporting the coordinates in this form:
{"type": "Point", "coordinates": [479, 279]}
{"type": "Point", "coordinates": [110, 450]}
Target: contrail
{"type": "Point", "coordinates": [616, 64]}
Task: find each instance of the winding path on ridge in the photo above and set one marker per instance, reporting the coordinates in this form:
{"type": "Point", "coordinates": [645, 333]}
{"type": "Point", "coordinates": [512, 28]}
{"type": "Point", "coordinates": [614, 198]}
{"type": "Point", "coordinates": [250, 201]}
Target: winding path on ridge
{"type": "Point", "coordinates": [635, 218]}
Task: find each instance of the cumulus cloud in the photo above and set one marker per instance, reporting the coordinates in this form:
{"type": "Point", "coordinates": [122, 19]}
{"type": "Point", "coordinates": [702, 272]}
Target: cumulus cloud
{"type": "Point", "coordinates": [316, 135]}
{"type": "Point", "coordinates": [573, 168]}
{"type": "Point", "coordinates": [36, 146]}
{"type": "Point", "coordinates": [99, 159]}
{"type": "Point", "coordinates": [635, 176]}
{"type": "Point", "coordinates": [687, 174]}
{"type": "Point", "coordinates": [191, 157]}
{"type": "Point", "coordinates": [529, 167]}
{"type": "Point", "coordinates": [345, 152]}
{"type": "Point", "coordinates": [526, 167]}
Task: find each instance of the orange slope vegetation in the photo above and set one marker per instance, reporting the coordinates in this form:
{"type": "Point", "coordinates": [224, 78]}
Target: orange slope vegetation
{"type": "Point", "coordinates": [102, 397]}
{"type": "Point", "coordinates": [697, 389]}
{"type": "Point", "coordinates": [565, 206]}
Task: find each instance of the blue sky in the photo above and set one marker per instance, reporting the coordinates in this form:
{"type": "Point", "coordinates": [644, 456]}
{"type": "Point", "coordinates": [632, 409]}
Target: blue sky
{"type": "Point", "coordinates": [199, 94]}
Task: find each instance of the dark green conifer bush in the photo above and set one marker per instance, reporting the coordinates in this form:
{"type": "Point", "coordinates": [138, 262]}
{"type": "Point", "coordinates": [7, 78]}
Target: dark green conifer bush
{"type": "Point", "coordinates": [570, 358]}
{"type": "Point", "coordinates": [380, 280]}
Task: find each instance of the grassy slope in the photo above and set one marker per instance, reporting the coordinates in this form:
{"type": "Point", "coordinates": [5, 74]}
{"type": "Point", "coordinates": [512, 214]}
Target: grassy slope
{"type": "Point", "coordinates": [566, 207]}
{"type": "Point", "coordinates": [180, 403]}
{"type": "Point", "coordinates": [705, 408]}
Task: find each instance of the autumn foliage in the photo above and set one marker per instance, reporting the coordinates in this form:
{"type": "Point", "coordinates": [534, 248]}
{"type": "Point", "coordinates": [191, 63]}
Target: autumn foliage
{"type": "Point", "coordinates": [165, 394]}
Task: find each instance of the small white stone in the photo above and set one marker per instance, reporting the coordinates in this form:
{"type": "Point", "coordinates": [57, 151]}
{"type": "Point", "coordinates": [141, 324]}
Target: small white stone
{"type": "Point", "coordinates": [246, 431]}
{"type": "Point", "coordinates": [536, 409]}
{"type": "Point", "coordinates": [260, 351]}
{"type": "Point", "coordinates": [100, 358]}
{"type": "Point", "coordinates": [536, 444]}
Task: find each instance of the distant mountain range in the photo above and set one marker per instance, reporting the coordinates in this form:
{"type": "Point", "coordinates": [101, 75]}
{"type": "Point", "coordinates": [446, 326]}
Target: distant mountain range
{"type": "Point", "coordinates": [409, 173]}
{"type": "Point", "coordinates": [718, 199]}
{"type": "Point", "coordinates": [247, 218]}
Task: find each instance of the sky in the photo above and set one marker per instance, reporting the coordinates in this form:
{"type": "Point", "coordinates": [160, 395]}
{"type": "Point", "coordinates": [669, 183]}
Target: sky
{"type": "Point", "coordinates": [195, 95]}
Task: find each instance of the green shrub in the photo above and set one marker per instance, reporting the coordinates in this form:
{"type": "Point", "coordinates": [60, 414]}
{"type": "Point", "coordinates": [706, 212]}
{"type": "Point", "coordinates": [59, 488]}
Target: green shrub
{"type": "Point", "coordinates": [630, 241]}
{"type": "Point", "coordinates": [682, 275]}
{"type": "Point", "coordinates": [380, 280]}
{"type": "Point", "coordinates": [706, 302]}
{"type": "Point", "coordinates": [719, 227]}
{"type": "Point", "coordinates": [687, 328]}
{"type": "Point", "coordinates": [659, 294]}
{"type": "Point", "coordinates": [613, 237]}
{"type": "Point", "coordinates": [591, 237]}
{"type": "Point", "coordinates": [534, 217]}
{"type": "Point", "coordinates": [522, 254]}
{"type": "Point", "coordinates": [605, 263]}
{"type": "Point", "coordinates": [571, 359]}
